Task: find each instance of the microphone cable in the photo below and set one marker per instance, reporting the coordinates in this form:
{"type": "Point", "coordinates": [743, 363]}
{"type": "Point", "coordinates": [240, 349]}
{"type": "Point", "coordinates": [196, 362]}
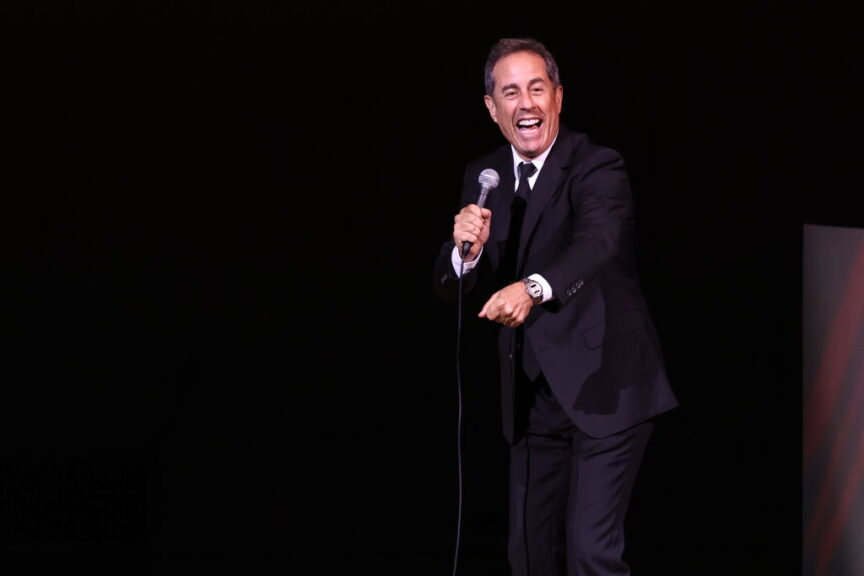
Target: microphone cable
{"type": "Point", "coordinates": [459, 419]}
{"type": "Point", "coordinates": [488, 180]}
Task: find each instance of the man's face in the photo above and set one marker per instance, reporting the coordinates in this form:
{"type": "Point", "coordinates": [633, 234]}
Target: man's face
{"type": "Point", "coordinates": [525, 104]}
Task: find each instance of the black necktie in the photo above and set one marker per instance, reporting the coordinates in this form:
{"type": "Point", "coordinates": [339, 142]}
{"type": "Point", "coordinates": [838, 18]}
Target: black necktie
{"type": "Point", "coordinates": [507, 272]}
{"type": "Point", "coordinates": [524, 353]}
{"type": "Point", "coordinates": [526, 169]}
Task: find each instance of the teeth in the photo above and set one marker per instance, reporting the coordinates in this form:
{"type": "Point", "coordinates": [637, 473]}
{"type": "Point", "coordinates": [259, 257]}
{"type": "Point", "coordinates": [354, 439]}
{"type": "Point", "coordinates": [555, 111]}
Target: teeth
{"type": "Point", "coordinates": [528, 123]}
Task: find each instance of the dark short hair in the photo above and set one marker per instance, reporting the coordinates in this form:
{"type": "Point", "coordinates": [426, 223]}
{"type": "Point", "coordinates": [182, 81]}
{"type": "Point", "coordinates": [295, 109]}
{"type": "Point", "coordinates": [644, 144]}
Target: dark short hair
{"type": "Point", "coordinates": [506, 46]}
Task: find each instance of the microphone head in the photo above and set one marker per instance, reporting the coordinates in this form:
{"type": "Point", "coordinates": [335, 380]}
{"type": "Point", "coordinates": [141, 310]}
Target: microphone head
{"type": "Point", "coordinates": [488, 178]}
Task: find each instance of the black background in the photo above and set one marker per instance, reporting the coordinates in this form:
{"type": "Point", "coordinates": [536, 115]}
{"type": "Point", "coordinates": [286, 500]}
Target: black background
{"type": "Point", "coordinates": [222, 351]}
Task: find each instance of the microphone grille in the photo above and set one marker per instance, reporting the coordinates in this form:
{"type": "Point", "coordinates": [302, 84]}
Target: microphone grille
{"type": "Point", "coordinates": [489, 178]}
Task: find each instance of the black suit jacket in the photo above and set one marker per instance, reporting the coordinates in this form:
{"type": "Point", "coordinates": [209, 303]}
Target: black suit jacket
{"type": "Point", "coordinates": [595, 341]}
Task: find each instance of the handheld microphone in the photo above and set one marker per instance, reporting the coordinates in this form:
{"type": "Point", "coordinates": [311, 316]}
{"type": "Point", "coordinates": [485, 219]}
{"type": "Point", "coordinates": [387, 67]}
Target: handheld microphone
{"type": "Point", "coordinates": [488, 180]}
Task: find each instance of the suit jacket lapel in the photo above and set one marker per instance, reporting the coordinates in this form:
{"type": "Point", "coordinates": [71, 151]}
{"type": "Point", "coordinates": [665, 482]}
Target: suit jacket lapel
{"type": "Point", "coordinates": [544, 188]}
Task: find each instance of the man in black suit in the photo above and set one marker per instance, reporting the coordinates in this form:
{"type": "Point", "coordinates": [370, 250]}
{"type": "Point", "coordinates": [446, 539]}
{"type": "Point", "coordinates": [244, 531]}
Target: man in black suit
{"type": "Point", "coordinates": [582, 372]}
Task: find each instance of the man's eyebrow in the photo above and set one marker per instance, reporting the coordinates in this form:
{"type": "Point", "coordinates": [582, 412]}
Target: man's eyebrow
{"type": "Point", "coordinates": [514, 85]}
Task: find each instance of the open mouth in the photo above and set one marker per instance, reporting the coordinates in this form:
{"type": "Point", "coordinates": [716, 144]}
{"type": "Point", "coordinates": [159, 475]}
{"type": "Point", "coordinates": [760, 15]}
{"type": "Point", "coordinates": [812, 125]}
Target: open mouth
{"type": "Point", "coordinates": [526, 125]}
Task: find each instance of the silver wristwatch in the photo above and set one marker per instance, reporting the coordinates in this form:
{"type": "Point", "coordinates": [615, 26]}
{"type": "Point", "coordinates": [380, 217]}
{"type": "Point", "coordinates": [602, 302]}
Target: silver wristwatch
{"type": "Point", "coordinates": [534, 289]}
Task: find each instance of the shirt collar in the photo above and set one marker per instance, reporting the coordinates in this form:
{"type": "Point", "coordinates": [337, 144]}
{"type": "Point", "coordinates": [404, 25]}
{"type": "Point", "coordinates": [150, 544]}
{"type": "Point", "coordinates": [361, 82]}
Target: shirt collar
{"type": "Point", "coordinates": [538, 161]}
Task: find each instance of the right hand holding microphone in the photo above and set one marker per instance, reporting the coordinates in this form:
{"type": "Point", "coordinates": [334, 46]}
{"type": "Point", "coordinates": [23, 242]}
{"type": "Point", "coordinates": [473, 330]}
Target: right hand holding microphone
{"type": "Point", "coordinates": [471, 229]}
{"type": "Point", "coordinates": [471, 225]}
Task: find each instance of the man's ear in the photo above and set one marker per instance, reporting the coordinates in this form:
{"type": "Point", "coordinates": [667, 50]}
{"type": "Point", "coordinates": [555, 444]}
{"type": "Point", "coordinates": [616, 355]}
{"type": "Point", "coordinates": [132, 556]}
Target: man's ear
{"type": "Point", "coordinates": [490, 106]}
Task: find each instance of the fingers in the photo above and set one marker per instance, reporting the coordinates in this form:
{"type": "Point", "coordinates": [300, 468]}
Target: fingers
{"type": "Point", "coordinates": [499, 308]}
{"type": "Point", "coordinates": [471, 224]}
{"type": "Point", "coordinates": [472, 214]}
{"type": "Point", "coordinates": [469, 220]}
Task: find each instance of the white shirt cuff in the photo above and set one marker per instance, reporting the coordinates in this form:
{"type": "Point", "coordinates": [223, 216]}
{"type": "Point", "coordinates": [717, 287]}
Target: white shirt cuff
{"type": "Point", "coordinates": [459, 266]}
{"type": "Point", "coordinates": [547, 289]}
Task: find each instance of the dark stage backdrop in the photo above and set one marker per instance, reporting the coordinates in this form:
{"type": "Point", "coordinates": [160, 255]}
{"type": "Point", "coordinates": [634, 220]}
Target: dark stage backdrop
{"type": "Point", "coordinates": [222, 351]}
